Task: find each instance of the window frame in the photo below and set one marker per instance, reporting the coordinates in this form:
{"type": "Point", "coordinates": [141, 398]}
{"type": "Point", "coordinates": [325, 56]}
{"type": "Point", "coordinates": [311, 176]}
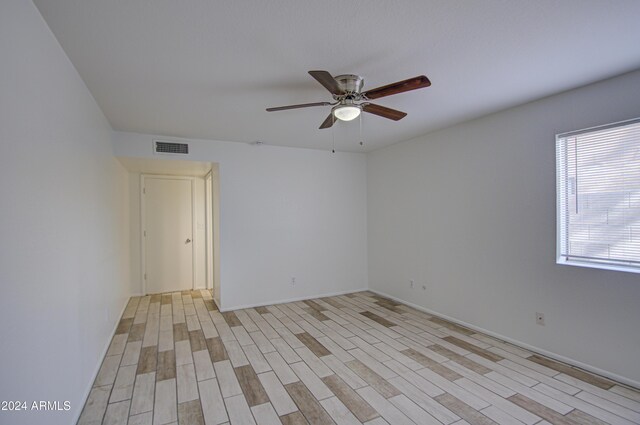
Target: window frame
{"type": "Point", "coordinates": [561, 232]}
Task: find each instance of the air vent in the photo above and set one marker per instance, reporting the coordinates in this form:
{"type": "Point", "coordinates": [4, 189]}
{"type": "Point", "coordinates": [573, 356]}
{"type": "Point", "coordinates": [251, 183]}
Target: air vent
{"type": "Point", "coordinates": [171, 148]}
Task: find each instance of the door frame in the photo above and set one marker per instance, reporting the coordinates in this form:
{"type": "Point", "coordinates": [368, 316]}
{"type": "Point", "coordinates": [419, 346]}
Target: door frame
{"type": "Point", "coordinates": [208, 222]}
{"type": "Point", "coordinates": [143, 226]}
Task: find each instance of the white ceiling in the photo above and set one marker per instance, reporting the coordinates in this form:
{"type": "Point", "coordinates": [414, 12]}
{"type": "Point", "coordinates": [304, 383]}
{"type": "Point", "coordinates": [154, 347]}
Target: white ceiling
{"type": "Point", "coordinates": [208, 69]}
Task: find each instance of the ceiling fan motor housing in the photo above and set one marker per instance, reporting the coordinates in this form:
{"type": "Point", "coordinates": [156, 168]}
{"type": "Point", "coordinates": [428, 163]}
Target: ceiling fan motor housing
{"type": "Point", "coordinates": [351, 84]}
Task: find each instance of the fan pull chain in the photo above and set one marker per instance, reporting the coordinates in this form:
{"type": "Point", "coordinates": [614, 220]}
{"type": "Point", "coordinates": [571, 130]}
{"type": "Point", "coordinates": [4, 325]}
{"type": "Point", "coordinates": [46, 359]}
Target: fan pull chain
{"type": "Point", "coordinates": [361, 141]}
{"type": "Point", "coordinates": [333, 133]}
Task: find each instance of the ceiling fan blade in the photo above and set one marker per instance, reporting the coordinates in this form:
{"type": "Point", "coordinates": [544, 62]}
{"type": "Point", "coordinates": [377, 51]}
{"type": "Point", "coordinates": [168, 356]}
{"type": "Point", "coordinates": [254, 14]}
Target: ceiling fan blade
{"type": "Point", "coordinates": [328, 122]}
{"type": "Point", "coordinates": [301, 105]}
{"type": "Point", "coordinates": [383, 111]}
{"type": "Point", "coordinates": [327, 80]}
{"type": "Point", "coordinates": [399, 87]}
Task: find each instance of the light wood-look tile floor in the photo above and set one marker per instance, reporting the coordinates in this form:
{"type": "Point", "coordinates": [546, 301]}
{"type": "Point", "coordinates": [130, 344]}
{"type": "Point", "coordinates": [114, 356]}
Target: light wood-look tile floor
{"type": "Point", "coordinates": [352, 359]}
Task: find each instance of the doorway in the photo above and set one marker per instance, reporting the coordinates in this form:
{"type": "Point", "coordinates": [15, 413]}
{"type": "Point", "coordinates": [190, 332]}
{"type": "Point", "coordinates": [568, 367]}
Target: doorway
{"type": "Point", "coordinates": [205, 226]}
{"type": "Point", "coordinates": [168, 233]}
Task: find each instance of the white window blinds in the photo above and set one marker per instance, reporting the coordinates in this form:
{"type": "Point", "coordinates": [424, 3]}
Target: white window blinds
{"type": "Point", "coordinates": [598, 177]}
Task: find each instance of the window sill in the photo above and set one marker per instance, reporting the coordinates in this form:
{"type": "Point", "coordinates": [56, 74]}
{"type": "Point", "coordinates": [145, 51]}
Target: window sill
{"type": "Point", "coordinates": [594, 265]}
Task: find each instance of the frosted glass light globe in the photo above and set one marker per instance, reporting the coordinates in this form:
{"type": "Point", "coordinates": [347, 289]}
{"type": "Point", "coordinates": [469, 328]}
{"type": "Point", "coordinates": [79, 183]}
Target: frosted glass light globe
{"type": "Point", "coordinates": [346, 113]}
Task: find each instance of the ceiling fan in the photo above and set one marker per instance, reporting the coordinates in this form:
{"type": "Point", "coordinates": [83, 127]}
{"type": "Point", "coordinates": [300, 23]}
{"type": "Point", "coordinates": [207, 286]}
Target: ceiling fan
{"type": "Point", "coordinates": [350, 100]}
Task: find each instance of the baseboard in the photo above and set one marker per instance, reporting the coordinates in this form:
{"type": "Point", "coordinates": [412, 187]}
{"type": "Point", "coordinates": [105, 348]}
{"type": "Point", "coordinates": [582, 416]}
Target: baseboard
{"type": "Point", "coordinates": [589, 368]}
{"type": "Point", "coordinates": [291, 300]}
{"type": "Point", "coordinates": [102, 356]}
{"type": "Point", "coordinates": [168, 292]}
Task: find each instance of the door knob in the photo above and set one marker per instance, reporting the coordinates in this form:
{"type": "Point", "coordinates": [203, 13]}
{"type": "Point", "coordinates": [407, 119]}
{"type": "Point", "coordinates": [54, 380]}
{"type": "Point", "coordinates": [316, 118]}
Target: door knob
{"type": "Point", "coordinates": [187, 241]}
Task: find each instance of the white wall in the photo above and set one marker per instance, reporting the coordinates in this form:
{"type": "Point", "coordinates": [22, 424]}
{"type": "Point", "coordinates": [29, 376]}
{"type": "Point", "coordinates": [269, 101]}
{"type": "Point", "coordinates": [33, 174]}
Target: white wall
{"type": "Point", "coordinates": [63, 223]}
{"type": "Point", "coordinates": [469, 212]}
{"type": "Point", "coordinates": [135, 240]}
{"type": "Point", "coordinates": [284, 213]}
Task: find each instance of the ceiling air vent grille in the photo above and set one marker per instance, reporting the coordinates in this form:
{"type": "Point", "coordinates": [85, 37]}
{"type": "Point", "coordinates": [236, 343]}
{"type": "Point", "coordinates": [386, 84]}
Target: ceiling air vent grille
{"type": "Point", "coordinates": [170, 147]}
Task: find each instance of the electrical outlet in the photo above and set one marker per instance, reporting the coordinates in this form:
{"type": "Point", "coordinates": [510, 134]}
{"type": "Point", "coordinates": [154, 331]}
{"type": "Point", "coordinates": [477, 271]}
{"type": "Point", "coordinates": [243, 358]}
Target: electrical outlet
{"type": "Point", "coordinates": [293, 281]}
{"type": "Point", "coordinates": [540, 319]}
{"type": "Point", "coordinates": [411, 283]}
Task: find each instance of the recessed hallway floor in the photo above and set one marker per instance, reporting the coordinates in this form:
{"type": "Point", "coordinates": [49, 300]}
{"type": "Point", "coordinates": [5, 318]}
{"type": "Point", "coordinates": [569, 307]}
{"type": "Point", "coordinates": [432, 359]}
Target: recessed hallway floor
{"type": "Point", "coordinates": [350, 359]}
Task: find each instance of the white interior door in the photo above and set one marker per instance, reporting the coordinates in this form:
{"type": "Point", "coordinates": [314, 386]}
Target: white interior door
{"type": "Point", "coordinates": [168, 213]}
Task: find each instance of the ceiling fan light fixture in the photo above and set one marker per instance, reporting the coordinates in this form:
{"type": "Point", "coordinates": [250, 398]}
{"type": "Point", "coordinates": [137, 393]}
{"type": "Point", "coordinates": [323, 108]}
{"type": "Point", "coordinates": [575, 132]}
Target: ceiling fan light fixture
{"type": "Point", "coordinates": [347, 90]}
{"type": "Point", "coordinates": [346, 112]}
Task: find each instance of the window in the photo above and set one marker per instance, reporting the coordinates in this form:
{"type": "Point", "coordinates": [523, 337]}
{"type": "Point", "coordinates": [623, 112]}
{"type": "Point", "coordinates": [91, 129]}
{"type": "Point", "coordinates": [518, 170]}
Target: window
{"type": "Point", "coordinates": [598, 193]}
